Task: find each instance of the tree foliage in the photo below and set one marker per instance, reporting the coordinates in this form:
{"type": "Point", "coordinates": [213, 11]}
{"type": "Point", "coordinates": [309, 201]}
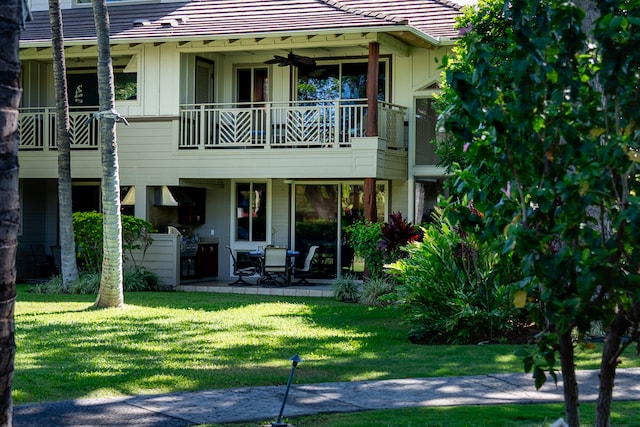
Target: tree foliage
{"type": "Point", "coordinates": [543, 118]}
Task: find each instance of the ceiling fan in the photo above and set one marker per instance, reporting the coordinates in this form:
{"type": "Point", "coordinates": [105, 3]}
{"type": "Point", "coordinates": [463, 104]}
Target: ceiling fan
{"type": "Point", "coordinates": [292, 59]}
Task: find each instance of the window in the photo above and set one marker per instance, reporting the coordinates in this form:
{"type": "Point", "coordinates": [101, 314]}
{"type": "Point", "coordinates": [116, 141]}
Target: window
{"type": "Point", "coordinates": [426, 120]}
{"type": "Point", "coordinates": [82, 81]}
{"type": "Point", "coordinates": [252, 85]}
{"type": "Point", "coordinates": [251, 212]}
{"type": "Point", "coordinates": [338, 81]}
{"type": "Point", "coordinates": [88, 2]}
{"type": "Point", "coordinates": [427, 192]}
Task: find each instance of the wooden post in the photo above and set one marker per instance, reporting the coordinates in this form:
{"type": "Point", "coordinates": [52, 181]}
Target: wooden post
{"type": "Point", "coordinates": [372, 126]}
{"type": "Point", "coordinates": [372, 89]}
{"type": "Point", "coordinates": [370, 208]}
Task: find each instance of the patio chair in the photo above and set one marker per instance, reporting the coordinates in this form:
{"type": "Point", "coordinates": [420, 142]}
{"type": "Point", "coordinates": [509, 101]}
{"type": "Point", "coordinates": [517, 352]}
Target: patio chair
{"type": "Point", "coordinates": [275, 270]}
{"type": "Point", "coordinates": [307, 269]}
{"type": "Point", "coordinates": [241, 271]}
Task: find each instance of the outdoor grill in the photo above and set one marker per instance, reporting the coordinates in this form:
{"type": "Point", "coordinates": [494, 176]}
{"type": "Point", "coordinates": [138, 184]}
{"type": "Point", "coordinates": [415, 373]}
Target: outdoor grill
{"type": "Point", "coordinates": [188, 251]}
{"type": "Point", "coordinates": [188, 246]}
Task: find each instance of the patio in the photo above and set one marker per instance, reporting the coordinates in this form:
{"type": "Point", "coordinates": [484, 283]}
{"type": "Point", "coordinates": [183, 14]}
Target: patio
{"type": "Point", "coordinates": [317, 288]}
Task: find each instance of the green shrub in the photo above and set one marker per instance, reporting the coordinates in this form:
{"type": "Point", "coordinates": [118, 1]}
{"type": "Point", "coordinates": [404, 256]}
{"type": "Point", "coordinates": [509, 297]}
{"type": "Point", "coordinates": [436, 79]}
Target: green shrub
{"type": "Point", "coordinates": [454, 288]}
{"type": "Point", "coordinates": [88, 283]}
{"type": "Point", "coordinates": [380, 243]}
{"type": "Point", "coordinates": [364, 236]}
{"type": "Point", "coordinates": [140, 279]}
{"type": "Point", "coordinates": [134, 280]}
{"type": "Point", "coordinates": [87, 231]}
{"type": "Point", "coordinates": [375, 290]}
{"type": "Point", "coordinates": [346, 288]}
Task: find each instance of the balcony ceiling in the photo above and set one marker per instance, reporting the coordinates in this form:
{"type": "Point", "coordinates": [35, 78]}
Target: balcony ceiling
{"type": "Point", "coordinates": [414, 22]}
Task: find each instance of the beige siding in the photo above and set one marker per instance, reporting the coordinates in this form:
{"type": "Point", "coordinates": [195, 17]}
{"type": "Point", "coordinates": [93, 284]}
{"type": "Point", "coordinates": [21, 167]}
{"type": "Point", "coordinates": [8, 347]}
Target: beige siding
{"type": "Point", "coordinates": [35, 5]}
{"type": "Point", "coordinates": [280, 213]}
{"type": "Point", "coordinates": [147, 153]}
{"type": "Point", "coordinates": [399, 197]}
{"type": "Point", "coordinates": [162, 257]}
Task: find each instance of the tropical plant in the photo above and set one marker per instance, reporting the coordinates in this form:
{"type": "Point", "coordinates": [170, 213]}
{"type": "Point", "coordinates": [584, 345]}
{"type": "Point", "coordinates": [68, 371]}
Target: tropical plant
{"type": "Point", "coordinates": [364, 236]}
{"type": "Point", "coordinates": [454, 288]}
{"type": "Point", "coordinates": [395, 234]}
{"type": "Point", "coordinates": [134, 280]}
{"type": "Point", "coordinates": [543, 111]}
{"type": "Point", "coordinates": [346, 288]}
{"type": "Point", "coordinates": [375, 291]}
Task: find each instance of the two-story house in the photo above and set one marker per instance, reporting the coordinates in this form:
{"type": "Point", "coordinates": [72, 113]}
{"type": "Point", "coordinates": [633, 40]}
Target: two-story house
{"type": "Point", "coordinates": [251, 122]}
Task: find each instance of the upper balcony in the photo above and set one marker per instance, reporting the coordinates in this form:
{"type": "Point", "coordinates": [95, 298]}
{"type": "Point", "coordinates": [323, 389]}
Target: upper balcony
{"type": "Point", "coordinates": [291, 125]}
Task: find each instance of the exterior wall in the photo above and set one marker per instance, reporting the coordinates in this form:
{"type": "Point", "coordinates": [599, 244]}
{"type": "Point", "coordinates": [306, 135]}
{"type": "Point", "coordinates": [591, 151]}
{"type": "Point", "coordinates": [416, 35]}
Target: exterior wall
{"type": "Point", "coordinates": [399, 197]}
{"type": "Point", "coordinates": [148, 153]}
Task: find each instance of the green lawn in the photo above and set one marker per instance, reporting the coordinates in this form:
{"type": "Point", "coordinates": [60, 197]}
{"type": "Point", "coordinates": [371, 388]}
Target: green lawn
{"type": "Point", "coordinates": [167, 342]}
{"type": "Point", "coordinates": [624, 414]}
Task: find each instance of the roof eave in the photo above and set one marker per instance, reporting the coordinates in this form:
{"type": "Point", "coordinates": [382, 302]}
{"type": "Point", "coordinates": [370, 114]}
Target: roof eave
{"type": "Point", "coordinates": [436, 41]}
{"type": "Point", "coordinates": [293, 33]}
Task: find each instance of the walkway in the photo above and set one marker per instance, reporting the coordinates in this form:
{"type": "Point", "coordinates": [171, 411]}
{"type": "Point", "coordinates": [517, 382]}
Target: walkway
{"type": "Point", "coordinates": [262, 404]}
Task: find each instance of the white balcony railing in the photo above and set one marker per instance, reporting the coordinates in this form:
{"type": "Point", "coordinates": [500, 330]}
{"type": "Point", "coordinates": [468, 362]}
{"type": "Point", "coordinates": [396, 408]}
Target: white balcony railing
{"type": "Point", "coordinates": [301, 124]}
{"type": "Point", "coordinates": [37, 127]}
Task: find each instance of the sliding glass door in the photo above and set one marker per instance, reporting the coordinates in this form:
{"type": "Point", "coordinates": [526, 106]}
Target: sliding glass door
{"type": "Point", "coordinates": [322, 213]}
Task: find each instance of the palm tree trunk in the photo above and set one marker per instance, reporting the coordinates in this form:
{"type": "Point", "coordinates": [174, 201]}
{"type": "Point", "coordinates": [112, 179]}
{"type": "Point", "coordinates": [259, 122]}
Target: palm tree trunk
{"type": "Point", "coordinates": [11, 18]}
{"type": "Point", "coordinates": [68, 262]}
{"type": "Point", "coordinates": [110, 293]}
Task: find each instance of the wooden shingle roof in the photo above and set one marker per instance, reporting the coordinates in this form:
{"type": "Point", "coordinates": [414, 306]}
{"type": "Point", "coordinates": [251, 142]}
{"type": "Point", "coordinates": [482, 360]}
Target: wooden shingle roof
{"type": "Point", "coordinates": [212, 19]}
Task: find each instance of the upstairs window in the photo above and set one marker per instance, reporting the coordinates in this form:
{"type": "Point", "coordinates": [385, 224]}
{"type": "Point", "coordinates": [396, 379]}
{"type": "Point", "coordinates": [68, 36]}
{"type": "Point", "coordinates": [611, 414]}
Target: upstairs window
{"type": "Point", "coordinates": [88, 2]}
{"type": "Point", "coordinates": [252, 84]}
{"type": "Point", "coordinates": [346, 80]}
{"type": "Point", "coordinates": [82, 81]}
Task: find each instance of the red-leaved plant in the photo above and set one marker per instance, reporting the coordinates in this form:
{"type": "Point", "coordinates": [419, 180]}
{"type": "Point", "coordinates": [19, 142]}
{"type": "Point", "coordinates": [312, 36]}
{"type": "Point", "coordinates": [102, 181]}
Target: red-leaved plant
{"type": "Point", "coordinates": [396, 233]}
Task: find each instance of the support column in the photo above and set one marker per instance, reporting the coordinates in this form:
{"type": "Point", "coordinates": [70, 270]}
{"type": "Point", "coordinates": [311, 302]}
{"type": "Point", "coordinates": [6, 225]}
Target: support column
{"type": "Point", "coordinates": [370, 211]}
{"type": "Point", "coordinates": [370, 208]}
{"type": "Point", "coordinates": [372, 89]}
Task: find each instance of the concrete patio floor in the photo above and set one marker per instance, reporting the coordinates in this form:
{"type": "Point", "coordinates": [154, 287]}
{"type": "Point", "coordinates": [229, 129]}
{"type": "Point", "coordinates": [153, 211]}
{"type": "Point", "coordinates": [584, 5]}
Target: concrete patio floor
{"type": "Point", "coordinates": [316, 288]}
